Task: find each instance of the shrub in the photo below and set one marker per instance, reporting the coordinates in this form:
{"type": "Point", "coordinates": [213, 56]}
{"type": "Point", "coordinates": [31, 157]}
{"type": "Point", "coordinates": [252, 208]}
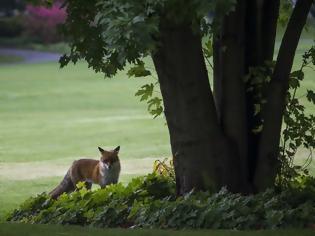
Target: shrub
{"type": "Point", "coordinates": [42, 23]}
{"type": "Point", "coordinates": [10, 27]}
{"type": "Point", "coordinates": [150, 202]}
{"type": "Point", "coordinates": [104, 207]}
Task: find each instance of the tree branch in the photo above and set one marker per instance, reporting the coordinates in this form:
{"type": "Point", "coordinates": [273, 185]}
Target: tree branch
{"type": "Point", "coordinates": [277, 89]}
{"type": "Point", "coordinates": [269, 28]}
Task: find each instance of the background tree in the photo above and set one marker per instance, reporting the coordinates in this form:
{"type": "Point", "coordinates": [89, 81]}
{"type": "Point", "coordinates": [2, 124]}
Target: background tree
{"type": "Point", "coordinates": [228, 136]}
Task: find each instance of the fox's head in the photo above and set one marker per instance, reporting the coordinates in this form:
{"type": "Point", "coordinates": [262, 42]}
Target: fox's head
{"type": "Point", "coordinates": [109, 158]}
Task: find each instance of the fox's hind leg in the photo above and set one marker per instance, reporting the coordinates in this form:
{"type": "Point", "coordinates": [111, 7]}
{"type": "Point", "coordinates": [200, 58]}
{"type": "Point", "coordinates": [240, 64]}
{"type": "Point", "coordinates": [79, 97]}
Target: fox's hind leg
{"type": "Point", "coordinates": [75, 174]}
{"type": "Point", "coordinates": [76, 177]}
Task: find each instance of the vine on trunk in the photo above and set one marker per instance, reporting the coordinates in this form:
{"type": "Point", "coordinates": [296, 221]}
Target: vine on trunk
{"type": "Point", "coordinates": [299, 126]}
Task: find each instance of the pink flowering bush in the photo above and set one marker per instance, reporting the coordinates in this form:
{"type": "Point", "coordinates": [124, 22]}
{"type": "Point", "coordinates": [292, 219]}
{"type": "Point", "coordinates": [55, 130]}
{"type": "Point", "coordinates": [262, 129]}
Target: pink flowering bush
{"type": "Point", "coordinates": [41, 23]}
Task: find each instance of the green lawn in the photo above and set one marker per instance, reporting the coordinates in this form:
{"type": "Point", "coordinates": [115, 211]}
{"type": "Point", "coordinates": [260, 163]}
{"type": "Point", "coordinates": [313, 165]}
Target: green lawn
{"type": "Point", "coordinates": [50, 230]}
{"type": "Point", "coordinates": [51, 116]}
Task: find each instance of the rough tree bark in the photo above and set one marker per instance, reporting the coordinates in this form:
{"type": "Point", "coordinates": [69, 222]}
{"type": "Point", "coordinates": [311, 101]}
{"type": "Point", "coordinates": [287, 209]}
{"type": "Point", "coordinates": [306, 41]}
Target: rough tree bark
{"type": "Point", "coordinates": [202, 159]}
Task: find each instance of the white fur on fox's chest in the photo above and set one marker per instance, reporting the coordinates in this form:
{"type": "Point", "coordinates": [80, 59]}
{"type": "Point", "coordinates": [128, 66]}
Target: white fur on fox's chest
{"type": "Point", "coordinates": [109, 175]}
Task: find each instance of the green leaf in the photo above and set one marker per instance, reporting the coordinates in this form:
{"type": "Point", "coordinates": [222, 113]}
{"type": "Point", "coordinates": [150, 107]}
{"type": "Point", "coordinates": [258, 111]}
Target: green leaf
{"type": "Point", "coordinates": [138, 71]}
{"type": "Point", "coordinates": [299, 74]}
{"type": "Point", "coordinates": [257, 109]}
{"type": "Point", "coordinates": [138, 19]}
{"type": "Point", "coordinates": [311, 96]}
{"type": "Point", "coordinates": [258, 129]}
{"type": "Point", "coordinates": [294, 83]}
{"type": "Point", "coordinates": [145, 92]}
{"type": "Point", "coordinates": [155, 106]}
{"type": "Point", "coordinates": [208, 50]}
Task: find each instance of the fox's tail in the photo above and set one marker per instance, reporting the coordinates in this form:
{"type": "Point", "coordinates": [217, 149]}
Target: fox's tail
{"type": "Point", "coordinates": [65, 186]}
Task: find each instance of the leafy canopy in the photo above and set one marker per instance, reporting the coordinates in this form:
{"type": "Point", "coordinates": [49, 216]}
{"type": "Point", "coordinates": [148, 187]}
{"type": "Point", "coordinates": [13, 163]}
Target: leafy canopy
{"type": "Point", "coordinates": [108, 34]}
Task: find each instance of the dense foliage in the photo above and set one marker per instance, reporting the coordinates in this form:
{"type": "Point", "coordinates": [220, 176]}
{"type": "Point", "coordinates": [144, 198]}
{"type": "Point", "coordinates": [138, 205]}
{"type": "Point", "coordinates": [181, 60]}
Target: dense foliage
{"type": "Point", "coordinates": [150, 202]}
{"type": "Point", "coordinates": [299, 124]}
{"type": "Point", "coordinates": [111, 34]}
{"type": "Point", "coordinates": [11, 26]}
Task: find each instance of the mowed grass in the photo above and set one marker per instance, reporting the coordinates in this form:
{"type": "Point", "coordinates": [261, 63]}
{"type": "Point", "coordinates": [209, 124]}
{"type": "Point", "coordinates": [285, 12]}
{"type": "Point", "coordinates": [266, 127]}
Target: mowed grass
{"type": "Point", "coordinates": [50, 230]}
{"type": "Point", "coordinates": [48, 113]}
{"type": "Point", "coordinates": [51, 116]}
{"type": "Point", "coordinates": [6, 59]}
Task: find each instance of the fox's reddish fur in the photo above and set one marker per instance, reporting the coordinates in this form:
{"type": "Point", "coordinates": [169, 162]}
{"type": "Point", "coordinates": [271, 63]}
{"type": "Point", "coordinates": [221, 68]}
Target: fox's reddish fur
{"type": "Point", "coordinates": [103, 172]}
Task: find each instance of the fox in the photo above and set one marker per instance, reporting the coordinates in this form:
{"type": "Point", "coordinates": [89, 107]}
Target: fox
{"type": "Point", "coordinates": [103, 172]}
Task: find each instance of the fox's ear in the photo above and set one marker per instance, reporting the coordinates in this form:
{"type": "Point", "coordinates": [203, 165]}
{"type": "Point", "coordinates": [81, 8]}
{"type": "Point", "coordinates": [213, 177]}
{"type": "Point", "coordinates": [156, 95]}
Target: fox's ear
{"type": "Point", "coordinates": [117, 149]}
{"type": "Point", "coordinates": [101, 149]}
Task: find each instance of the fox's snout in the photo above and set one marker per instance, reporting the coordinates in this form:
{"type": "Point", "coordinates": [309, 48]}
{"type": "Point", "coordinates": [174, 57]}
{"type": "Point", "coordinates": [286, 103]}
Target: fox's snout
{"type": "Point", "coordinates": [106, 164]}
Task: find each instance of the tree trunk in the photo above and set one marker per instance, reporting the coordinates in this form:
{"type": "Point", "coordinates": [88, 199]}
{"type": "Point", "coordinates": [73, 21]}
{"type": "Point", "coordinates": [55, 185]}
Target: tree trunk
{"type": "Point", "coordinates": [268, 21]}
{"type": "Point", "coordinates": [229, 89]}
{"type": "Point", "coordinates": [246, 40]}
{"type": "Point", "coordinates": [268, 162]}
{"type": "Point", "coordinates": [260, 27]}
{"type": "Point", "coordinates": [202, 158]}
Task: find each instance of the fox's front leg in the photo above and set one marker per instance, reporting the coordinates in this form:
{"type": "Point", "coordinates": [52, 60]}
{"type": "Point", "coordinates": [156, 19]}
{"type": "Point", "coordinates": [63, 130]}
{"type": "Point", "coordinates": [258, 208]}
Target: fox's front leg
{"type": "Point", "coordinates": [103, 186]}
{"type": "Point", "coordinates": [88, 185]}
